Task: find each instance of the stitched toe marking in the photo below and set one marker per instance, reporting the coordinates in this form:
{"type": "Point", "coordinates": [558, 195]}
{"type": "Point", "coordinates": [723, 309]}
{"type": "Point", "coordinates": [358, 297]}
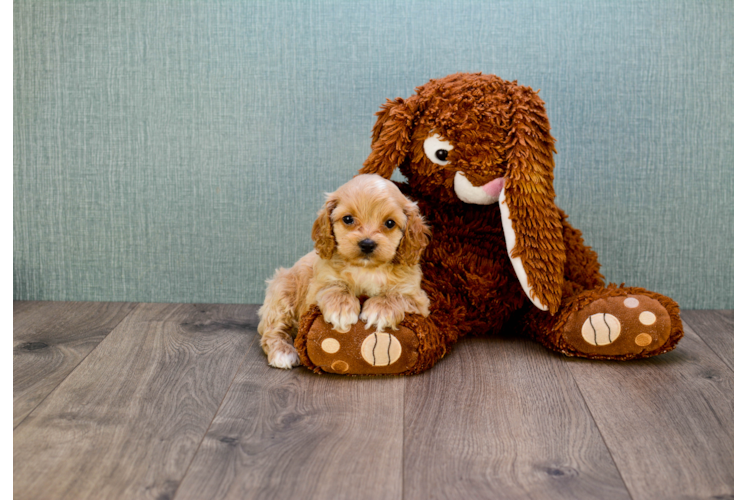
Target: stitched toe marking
{"type": "Point", "coordinates": [643, 339]}
{"type": "Point", "coordinates": [647, 318]}
{"type": "Point", "coordinates": [330, 345]}
{"type": "Point", "coordinates": [381, 349]}
{"type": "Point", "coordinates": [339, 366]}
{"type": "Point", "coordinates": [631, 303]}
{"type": "Point", "coordinates": [601, 329]}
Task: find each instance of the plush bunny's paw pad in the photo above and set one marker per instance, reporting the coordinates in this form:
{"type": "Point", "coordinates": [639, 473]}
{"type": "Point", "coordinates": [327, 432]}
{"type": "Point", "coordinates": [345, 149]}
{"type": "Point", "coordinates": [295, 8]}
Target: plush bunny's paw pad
{"type": "Point", "coordinates": [361, 351]}
{"type": "Point", "coordinates": [619, 327]}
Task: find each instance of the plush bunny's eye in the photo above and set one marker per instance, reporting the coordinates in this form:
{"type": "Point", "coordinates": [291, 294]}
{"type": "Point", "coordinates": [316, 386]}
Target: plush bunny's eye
{"type": "Point", "coordinates": [437, 149]}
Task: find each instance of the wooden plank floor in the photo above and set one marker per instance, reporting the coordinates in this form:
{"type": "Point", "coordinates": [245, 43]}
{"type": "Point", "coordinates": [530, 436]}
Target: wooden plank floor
{"type": "Point", "coordinates": [177, 401]}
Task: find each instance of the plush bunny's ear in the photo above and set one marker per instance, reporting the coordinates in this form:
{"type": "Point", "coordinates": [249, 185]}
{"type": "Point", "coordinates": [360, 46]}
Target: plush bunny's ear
{"type": "Point", "coordinates": [391, 136]}
{"type": "Point", "coordinates": [530, 218]}
{"type": "Point", "coordinates": [322, 235]}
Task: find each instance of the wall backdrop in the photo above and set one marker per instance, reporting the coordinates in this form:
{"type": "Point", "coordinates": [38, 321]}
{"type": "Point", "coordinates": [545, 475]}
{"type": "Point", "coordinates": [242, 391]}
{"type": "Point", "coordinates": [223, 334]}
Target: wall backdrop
{"type": "Point", "coordinates": [178, 151]}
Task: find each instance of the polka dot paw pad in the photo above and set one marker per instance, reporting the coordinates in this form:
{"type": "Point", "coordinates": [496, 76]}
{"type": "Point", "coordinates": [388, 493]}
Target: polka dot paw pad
{"type": "Point", "coordinates": [362, 351]}
{"type": "Point", "coordinates": [618, 326]}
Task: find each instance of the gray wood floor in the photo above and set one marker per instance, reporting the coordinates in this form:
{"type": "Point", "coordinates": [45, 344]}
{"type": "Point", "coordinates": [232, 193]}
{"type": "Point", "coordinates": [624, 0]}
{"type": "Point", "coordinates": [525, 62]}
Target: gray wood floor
{"type": "Point", "coordinates": [122, 400]}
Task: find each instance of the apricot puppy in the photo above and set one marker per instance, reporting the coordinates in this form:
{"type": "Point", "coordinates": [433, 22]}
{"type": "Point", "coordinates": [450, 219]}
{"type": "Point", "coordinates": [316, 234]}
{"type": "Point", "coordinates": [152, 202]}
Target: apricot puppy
{"type": "Point", "coordinates": [368, 240]}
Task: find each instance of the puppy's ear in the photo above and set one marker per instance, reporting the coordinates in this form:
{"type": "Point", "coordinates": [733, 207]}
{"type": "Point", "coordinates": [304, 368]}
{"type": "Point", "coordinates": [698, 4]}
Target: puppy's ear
{"type": "Point", "coordinates": [322, 235]}
{"type": "Point", "coordinates": [391, 136]}
{"type": "Point", "coordinates": [416, 237]}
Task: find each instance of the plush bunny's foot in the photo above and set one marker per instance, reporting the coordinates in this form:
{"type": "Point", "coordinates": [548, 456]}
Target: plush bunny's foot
{"type": "Point", "coordinates": [364, 351]}
{"type": "Point", "coordinates": [621, 325]}
{"type": "Point", "coordinates": [361, 351]}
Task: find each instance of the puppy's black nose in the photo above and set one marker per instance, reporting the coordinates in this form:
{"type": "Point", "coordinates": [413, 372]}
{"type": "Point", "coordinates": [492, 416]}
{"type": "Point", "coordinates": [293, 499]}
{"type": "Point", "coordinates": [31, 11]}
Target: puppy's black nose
{"type": "Point", "coordinates": [367, 246]}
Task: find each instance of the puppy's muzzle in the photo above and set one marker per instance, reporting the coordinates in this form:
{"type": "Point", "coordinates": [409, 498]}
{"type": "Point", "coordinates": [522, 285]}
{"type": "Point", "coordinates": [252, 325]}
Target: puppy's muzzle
{"type": "Point", "coordinates": [367, 246]}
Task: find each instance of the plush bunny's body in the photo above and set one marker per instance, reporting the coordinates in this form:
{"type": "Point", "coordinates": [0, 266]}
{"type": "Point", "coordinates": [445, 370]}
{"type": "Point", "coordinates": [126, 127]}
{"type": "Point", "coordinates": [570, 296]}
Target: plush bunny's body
{"type": "Point", "coordinates": [478, 157]}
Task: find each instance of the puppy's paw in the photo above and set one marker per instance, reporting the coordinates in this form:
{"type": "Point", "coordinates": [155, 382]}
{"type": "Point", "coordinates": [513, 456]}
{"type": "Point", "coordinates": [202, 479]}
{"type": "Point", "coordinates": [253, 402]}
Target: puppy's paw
{"type": "Point", "coordinates": [282, 355]}
{"type": "Point", "coordinates": [382, 313]}
{"type": "Point", "coordinates": [341, 311]}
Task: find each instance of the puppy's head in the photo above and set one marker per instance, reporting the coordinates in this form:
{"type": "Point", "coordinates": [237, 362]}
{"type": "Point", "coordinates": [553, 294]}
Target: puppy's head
{"type": "Point", "coordinates": [368, 221]}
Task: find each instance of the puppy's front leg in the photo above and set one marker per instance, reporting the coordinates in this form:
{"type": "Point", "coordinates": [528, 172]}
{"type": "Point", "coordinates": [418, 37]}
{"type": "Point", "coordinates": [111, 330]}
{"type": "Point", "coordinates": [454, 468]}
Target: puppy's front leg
{"type": "Point", "coordinates": [387, 311]}
{"type": "Point", "coordinates": [339, 307]}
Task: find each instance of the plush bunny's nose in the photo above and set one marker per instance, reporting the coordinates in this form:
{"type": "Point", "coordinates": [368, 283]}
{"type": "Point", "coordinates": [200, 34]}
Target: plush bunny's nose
{"type": "Point", "coordinates": [494, 187]}
{"type": "Point", "coordinates": [367, 246]}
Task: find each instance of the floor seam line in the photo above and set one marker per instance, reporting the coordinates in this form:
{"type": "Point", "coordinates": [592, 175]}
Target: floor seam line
{"type": "Point", "coordinates": [716, 354]}
{"type": "Point", "coordinates": [213, 418]}
{"type": "Point", "coordinates": [600, 433]}
{"type": "Point", "coordinates": [137, 304]}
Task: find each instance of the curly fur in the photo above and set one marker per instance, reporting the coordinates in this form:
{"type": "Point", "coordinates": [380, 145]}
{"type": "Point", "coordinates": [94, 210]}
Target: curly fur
{"type": "Point", "coordinates": [497, 131]}
{"type": "Point", "coordinates": [339, 271]}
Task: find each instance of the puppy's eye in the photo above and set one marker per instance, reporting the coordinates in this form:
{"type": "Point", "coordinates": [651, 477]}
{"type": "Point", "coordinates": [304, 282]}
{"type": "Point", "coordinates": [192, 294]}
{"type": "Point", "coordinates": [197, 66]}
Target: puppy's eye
{"type": "Point", "coordinates": [347, 220]}
{"type": "Point", "coordinates": [437, 149]}
{"type": "Point", "coordinates": [389, 224]}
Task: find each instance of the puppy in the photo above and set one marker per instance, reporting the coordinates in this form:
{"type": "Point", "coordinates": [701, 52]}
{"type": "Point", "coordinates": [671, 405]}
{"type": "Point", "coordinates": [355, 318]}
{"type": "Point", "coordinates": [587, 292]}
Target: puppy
{"type": "Point", "coordinates": [368, 240]}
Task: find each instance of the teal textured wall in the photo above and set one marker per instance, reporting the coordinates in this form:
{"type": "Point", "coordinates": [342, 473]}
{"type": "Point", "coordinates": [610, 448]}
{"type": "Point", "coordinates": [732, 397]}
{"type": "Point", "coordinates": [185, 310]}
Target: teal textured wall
{"type": "Point", "coordinates": [178, 150]}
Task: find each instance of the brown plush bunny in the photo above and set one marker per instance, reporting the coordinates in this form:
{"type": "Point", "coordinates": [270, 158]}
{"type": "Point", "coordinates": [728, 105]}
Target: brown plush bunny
{"type": "Point", "coordinates": [478, 156]}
